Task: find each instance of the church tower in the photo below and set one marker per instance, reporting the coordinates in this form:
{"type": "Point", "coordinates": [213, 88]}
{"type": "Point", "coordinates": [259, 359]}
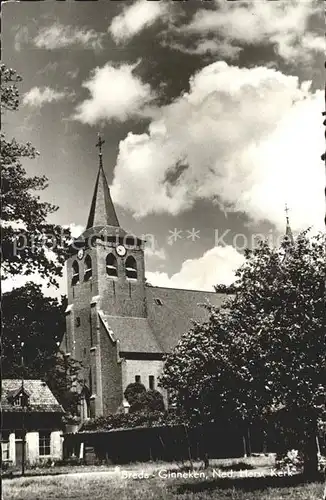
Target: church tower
{"type": "Point", "coordinates": [116, 326]}
{"type": "Point", "coordinates": [288, 230]}
{"type": "Point", "coordinates": [105, 272]}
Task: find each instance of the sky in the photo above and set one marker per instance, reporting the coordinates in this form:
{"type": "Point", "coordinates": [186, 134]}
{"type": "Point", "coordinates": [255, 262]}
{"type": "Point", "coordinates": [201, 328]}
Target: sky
{"type": "Point", "coordinates": [210, 111]}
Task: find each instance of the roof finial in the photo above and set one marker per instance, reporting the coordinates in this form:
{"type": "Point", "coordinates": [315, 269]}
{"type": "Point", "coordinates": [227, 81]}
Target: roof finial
{"type": "Point", "coordinates": [99, 144]}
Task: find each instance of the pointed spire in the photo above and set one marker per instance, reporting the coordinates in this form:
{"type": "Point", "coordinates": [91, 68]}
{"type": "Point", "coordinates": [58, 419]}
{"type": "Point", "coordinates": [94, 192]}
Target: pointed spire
{"type": "Point", "coordinates": [102, 212]}
{"type": "Point", "coordinates": [288, 230]}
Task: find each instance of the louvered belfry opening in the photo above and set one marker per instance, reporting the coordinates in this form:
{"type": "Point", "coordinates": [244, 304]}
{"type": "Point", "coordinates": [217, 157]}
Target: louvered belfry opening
{"type": "Point", "coordinates": [75, 273]}
{"type": "Point", "coordinates": [87, 268]}
{"type": "Point", "coordinates": [131, 268]}
{"type": "Point", "coordinates": [111, 266]}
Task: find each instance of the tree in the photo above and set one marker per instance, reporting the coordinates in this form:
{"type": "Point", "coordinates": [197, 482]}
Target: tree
{"type": "Point", "coordinates": [201, 376]}
{"type": "Point", "coordinates": [35, 320]}
{"type": "Point", "coordinates": [27, 237]}
{"type": "Point", "coordinates": [141, 400]}
{"type": "Point", "coordinates": [133, 392]}
{"type": "Point", "coordinates": [154, 401]}
{"type": "Point", "coordinates": [265, 349]}
{"type": "Point", "coordinates": [63, 376]}
{"type": "Point", "coordinates": [227, 289]}
{"type": "Point", "coordinates": [32, 329]}
{"type": "Point", "coordinates": [148, 402]}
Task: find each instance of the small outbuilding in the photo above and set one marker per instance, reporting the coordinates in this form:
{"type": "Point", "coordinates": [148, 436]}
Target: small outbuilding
{"type": "Point", "coordinates": [31, 417]}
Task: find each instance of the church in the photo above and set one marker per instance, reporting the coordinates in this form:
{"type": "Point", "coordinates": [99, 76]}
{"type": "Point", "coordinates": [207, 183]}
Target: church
{"type": "Point", "coordinates": [117, 325]}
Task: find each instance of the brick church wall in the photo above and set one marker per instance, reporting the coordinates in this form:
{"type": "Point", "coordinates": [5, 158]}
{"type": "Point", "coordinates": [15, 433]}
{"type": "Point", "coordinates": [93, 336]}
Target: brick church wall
{"type": "Point", "coordinates": [144, 368]}
{"type": "Point", "coordinates": [112, 394]}
{"type": "Point", "coordinates": [78, 319]}
{"type": "Point", "coordinates": [120, 296]}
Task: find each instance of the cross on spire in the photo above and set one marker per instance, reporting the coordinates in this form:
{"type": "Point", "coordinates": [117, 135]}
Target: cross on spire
{"type": "Point", "coordinates": [287, 210]}
{"type": "Point", "coordinates": [99, 143]}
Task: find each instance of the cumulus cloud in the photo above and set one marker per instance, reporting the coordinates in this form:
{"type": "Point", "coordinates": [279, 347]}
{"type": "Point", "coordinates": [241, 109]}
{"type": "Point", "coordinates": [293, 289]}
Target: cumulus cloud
{"type": "Point", "coordinates": [75, 229]}
{"type": "Point", "coordinates": [135, 18]}
{"type": "Point", "coordinates": [250, 138]}
{"type": "Point", "coordinates": [215, 266]}
{"type": "Point", "coordinates": [292, 48]}
{"type": "Point", "coordinates": [283, 23]}
{"type": "Point", "coordinates": [37, 96]}
{"type": "Point", "coordinates": [155, 253]}
{"type": "Point", "coordinates": [58, 36]}
{"type": "Point", "coordinates": [116, 93]}
{"type": "Point", "coordinates": [210, 47]}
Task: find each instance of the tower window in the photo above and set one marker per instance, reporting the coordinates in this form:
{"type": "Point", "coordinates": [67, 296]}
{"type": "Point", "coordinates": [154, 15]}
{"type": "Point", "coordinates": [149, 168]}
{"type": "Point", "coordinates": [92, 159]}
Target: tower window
{"type": "Point", "coordinates": [111, 265]}
{"type": "Point", "coordinates": [75, 273]}
{"type": "Point", "coordinates": [78, 321]}
{"type": "Point", "coordinates": [131, 241]}
{"type": "Point", "coordinates": [88, 268]}
{"type": "Point", "coordinates": [137, 379]}
{"type": "Point", "coordinates": [158, 302]}
{"type": "Point", "coordinates": [131, 268]}
{"type": "Point", "coordinates": [151, 382]}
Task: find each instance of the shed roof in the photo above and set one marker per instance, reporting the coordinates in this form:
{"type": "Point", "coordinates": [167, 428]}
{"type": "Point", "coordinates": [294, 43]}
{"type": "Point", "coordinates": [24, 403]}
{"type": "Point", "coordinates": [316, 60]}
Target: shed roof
{"type": "Point", "coordinates": [41, 399]}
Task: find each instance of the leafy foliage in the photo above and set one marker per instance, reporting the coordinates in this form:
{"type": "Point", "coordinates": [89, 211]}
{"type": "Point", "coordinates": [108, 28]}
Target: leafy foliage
{"type": "Point", "coordinates": [147, 402]}
{"type": "Point", "coordinates": [26, 235]}
{"type": "Point", "coordinates": [63, 375]}
{"type": "Point", "coordinates": [133, 392]}
{"type": "Point", "coordinates": [265, 349]}
{"type": "Point", "coordinates": [37, 322]}
{"type": "Point", "coordinates": [228, 289]}
{"type": "Point", "coordinates": [131, 420]}
{"type": "Point", "coordinates": [141, 400]}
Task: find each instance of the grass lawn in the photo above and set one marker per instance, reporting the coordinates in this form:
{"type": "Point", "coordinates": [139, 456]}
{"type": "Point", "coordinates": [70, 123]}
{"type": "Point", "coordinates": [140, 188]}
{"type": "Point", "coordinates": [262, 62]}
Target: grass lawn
{"type": "Point", "coordinates": [224, 480]}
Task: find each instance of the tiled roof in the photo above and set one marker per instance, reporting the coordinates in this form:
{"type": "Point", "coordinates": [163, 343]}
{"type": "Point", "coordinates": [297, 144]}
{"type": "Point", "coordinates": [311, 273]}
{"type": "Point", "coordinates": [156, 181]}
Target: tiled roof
{"type": "Point", "coordinates": [41, 398]}
{"type": "Point", "coordinates": [134, 334]}
{"type": "Point", "coordinates": [170, 320]}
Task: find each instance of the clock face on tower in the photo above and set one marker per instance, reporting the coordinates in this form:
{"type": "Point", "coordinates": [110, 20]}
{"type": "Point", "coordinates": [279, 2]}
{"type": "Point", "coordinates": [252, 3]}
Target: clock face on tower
{"type": "Point", "coordinates": [80, 253]}
{"type": "Point", "coordinates": [121, 251]}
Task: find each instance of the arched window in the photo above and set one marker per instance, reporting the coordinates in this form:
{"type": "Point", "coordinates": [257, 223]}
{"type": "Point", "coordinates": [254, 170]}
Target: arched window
{"type": "Point", "coordinates": [131, 268]}
{"type": "Point", "coordinates": [75, 273]}
{"type": "Point", "coordinates": [111, 265]}
{"type": "Point", "coordinates": [88, 268]}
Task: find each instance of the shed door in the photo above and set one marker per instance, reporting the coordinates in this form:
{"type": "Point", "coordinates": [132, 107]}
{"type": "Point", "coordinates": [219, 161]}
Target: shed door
{"type": "Point", "coordinates": [19, 451]}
